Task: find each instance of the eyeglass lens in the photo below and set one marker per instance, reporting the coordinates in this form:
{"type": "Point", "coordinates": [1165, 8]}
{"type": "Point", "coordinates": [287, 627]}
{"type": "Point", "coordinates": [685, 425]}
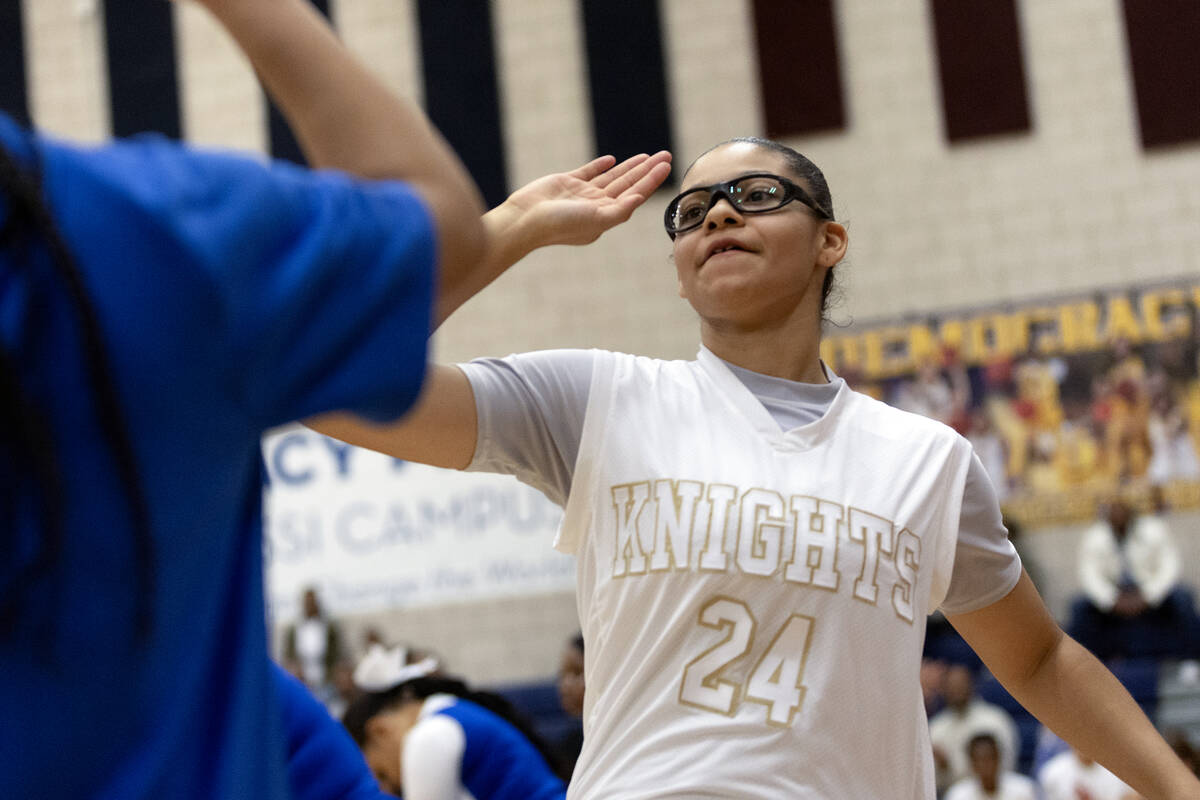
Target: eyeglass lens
{"type": "Point", "coordinates": [752, 193]}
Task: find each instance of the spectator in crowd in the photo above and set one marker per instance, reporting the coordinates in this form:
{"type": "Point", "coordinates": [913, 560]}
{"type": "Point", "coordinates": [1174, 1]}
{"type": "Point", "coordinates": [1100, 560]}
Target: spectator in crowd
{"type": "Point", "coordinates": [1072, 776]}
{"type": "Point", "coordinates": [933, 672]}
{"type": "Point", "coordinates": [987, 781]}
{"type": "Point", "coordinates": [430, 738]}
{"type": "Point", "coordinates": [342, 690]}
{"type": "Point", "coordinates": [992, 450]}
{"type": "Point", "coordinates": [965, 716]}
{"type": "Point", "coordinates": [570, 696]}
{"type": "Point", "coordinates": [1133, 605]}
{"type": "Point", "coordinates": [314, 642]}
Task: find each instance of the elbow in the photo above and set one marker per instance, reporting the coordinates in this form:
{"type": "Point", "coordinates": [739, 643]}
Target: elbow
{"type": "Point", "coordinates": [462, 241]}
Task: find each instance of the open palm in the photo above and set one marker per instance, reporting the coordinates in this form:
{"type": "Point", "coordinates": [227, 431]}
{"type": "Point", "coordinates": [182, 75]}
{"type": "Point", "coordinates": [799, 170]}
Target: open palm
{"type": "Point", "coordinates": [576, 207]}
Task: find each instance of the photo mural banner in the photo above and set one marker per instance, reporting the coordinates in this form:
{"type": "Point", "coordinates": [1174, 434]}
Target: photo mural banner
{"type": "Point", "coordinates": [1067, 400]}
{"type": "Point", "coordinates": [372, 532]}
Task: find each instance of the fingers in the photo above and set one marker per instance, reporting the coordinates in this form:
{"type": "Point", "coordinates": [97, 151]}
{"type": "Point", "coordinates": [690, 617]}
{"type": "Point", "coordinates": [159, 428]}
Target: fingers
{"type": "Point", "coordinates": [596, 166]}
{"type": "Point", "coordinates": [628, 201]}
{"type": "Point", "coordinates": [612, 174]}
{"type": "Point", "coordinates": [629, 175]}
{"type": "Point", "coordinates": [655, 172]}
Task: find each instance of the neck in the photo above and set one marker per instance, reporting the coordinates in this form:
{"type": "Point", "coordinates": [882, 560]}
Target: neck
{"type": "Point", "coordinates": [989, 784]}
{"type": "Point", "coordinates": [791, 350]}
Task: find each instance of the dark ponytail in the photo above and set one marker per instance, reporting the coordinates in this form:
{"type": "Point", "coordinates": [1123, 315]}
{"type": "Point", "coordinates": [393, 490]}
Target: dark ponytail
{"type": "Point", "coordinates": [30, 434]}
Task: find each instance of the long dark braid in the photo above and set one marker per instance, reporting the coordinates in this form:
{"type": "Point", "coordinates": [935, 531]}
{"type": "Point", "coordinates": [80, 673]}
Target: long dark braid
{"type": "Point", "coordinates": [28, 213]}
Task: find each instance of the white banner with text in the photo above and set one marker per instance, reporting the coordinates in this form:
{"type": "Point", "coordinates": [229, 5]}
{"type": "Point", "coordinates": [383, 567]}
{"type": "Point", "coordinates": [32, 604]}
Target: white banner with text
{"type": "Point", "coordinates": [372, 532]}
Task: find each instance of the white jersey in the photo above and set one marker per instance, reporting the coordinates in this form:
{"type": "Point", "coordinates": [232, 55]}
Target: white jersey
{"type": "Point", "coordinates": [754, 600]}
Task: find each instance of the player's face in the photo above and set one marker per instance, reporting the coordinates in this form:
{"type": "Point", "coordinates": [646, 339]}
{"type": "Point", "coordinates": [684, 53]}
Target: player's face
{"type": "Point", "coordinates": [751, 269]}
{"type": "Point", "coordinates": [382, 748]}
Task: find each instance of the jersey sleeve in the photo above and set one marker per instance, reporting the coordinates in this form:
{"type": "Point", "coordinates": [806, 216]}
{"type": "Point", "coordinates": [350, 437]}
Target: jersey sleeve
{"type": "Point", "coordinates": [307, 291]}
{"type": "Point", "coordinates": [323, 762]}
{"type": "Point", "coordinates": [530, 409]}
{"type": "Point", "coordinates": [986, 565]}
{"type": "Point", "coordinates": [432, 759]}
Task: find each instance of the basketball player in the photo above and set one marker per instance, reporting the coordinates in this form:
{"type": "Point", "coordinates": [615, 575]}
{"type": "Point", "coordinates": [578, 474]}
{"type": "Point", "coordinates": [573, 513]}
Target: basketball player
{"type": "Point", "coordinates": [160, 308]}
{"type": "Point", "coordinates": [758, 546]}
{"type": "Point", "coordinates": [427, 736]}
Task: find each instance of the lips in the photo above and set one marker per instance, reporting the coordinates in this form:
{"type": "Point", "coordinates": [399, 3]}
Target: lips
{"type": "Point", "coordinates": [723, 246]}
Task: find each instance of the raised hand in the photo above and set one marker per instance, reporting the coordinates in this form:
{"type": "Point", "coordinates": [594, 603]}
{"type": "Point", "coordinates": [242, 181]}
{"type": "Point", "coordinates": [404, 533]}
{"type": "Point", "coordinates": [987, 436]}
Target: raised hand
{"type": "Point", "coordinates": [576, 207]}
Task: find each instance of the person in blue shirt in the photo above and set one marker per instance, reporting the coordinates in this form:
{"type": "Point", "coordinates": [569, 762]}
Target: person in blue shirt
{"type": "Point", "coordinates": [428, 737]}
{"type": "Point", "coordinates": [160, 308]}
{"type": "Point", "coordinates": [323, 762]}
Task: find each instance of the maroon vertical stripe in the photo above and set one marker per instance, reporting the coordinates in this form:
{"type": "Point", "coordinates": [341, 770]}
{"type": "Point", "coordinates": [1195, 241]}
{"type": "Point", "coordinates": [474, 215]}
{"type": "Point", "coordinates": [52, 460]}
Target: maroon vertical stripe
{"type": "Point", "coordinates": [1164, 55]}
{"type": "Point", "coordinates": [981, 67]}
{"type": "Point", "coordinates": [798, 66]}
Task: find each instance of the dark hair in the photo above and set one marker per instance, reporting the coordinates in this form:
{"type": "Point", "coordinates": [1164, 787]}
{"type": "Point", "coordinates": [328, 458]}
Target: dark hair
{"type": "Point", "coordinates": [577, 642]}
{"type": "Point", "coordinates": [368, 704]}
{"type": "Point", "coordinates": [32, 437]}
{"type": "Point", "coordinates": [804, 169]}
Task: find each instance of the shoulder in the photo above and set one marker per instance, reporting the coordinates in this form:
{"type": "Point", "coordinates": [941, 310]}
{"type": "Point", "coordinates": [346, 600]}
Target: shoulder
{"type": "Point", "coordinates": [436, 735]}
{"type": "Point", "coordinates": [900, 420]}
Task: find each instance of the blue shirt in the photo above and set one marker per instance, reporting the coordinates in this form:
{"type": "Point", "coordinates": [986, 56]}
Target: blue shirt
{"type": "Point", "coordinates": [498, 762]}
{"type": "Point", "coordinates": [323, 762]}
{"type": "Point", "coordinates": [232, 296]}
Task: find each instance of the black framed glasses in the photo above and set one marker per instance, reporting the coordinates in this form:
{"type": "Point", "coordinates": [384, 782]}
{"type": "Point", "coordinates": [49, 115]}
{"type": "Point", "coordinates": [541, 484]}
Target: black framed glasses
{"type": "Point", "coordinates": [749, 194]}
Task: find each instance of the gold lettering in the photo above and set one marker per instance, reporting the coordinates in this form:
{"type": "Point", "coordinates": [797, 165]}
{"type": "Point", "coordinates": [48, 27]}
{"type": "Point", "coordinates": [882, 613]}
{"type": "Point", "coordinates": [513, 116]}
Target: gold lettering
{"type": "Point", "coordinates": [714, 557]}
{"type": "Point", "coordinates": [1174, 322]}
{"type": "Point", "coordinates": [628, 500]}
{"type": "Point", "coordinates": [875, 534]}
{"type": "Point", "coordinates": [816, 525]}
{"type": "Point", "coordinates": [908, 561]}
{"type": "Point", "coordinates": [1122, 322]}
{"type": "Point", "coordinates": [674, 515]}
{"type": "Point", "coordinates": [1080, 326]}
{"type": "Point", "coordinates": [762, 528]}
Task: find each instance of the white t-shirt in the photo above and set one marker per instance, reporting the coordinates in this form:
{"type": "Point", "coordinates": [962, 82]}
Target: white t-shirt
{"type": "Point", "coordinates": [952, 731]}
{"type": "Point", "coordinates": [1065, 775]}
{"type": "Point", "coordinates": [1011, 786]}
{"type": "Point", "coordinates": [753, 597]}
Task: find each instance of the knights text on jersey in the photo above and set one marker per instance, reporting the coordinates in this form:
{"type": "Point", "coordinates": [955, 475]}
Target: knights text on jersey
{"type": "Point", "coordinates": [753, 599]}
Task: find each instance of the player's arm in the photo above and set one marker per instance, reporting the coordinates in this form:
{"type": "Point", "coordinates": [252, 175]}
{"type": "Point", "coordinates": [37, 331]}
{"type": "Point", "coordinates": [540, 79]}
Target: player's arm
{"type": "Point", "coordinates": [345, 118]}
{"type": "Point", "coordinates": [565, 208]}
{"type": "Point", "coordinates": [1069, 690]}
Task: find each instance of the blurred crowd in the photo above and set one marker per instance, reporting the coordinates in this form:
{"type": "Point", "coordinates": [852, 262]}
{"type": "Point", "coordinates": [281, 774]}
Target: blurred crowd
{"type": "Point", "coordinates": [1123, 416]}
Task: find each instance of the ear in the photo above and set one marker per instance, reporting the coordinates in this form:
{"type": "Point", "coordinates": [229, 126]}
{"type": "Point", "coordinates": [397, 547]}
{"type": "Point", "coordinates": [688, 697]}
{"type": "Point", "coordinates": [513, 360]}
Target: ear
{"type": "Point", "coordinates": [682, 293]}
{"type": "Point", "coordinates": [833, 244]}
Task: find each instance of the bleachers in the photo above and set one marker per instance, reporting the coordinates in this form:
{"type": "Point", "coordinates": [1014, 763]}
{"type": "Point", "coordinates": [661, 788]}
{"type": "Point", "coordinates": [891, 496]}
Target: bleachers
{"type": "Point", "coordinates": [538, 701]}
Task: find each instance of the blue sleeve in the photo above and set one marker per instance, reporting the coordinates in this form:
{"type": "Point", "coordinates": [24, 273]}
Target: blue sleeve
{"type": "Point", "coordinates": [311, 291]}
{"type": "Point", "coordinates": [323, 763]}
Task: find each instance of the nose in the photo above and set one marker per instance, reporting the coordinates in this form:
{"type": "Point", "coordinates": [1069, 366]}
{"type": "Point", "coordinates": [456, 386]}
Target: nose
{"type": "Point", "coordinates": [721, 211]}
